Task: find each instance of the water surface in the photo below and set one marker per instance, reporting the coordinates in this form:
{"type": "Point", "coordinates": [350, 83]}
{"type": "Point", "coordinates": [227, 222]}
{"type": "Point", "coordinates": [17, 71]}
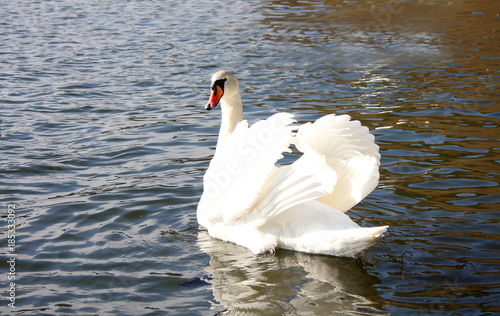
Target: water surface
{"type": "Point", "coordinates": [104, 143]}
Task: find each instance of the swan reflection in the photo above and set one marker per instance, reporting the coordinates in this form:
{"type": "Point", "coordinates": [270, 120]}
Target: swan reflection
{"type": "Point", "coordinates": [287, 282]}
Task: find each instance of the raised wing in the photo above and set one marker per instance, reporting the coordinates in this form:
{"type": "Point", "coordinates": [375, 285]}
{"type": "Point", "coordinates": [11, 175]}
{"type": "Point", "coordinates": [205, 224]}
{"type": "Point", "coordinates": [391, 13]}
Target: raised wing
{"type": "Point", "coordinates": [349, 149]}
{"type": "Point", "coordinates": [240, 168]}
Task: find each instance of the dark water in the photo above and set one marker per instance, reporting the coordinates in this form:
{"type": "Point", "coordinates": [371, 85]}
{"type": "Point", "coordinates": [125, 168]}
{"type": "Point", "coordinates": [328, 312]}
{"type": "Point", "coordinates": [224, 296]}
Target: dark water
{"type": "Point", "coordinates": [104, 142]}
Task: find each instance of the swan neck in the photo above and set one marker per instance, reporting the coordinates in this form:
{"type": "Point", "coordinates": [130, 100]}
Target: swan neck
{"type": "Point", "coordinates": [232, 114]}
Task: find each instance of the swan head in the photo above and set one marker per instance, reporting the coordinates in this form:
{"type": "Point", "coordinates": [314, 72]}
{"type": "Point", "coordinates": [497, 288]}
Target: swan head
{"type": "Point", "coordinates": [223, 87]}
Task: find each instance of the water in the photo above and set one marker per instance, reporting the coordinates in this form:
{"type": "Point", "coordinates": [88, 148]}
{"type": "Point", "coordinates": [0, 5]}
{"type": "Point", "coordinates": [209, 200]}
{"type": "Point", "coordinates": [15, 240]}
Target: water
{"type": "Point", "coordinates": [104, 142]}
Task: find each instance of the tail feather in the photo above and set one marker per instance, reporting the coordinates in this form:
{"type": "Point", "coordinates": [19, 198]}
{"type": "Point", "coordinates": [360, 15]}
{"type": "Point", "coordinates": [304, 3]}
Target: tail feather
{"type": "Point", "coordinates": [347, 243]}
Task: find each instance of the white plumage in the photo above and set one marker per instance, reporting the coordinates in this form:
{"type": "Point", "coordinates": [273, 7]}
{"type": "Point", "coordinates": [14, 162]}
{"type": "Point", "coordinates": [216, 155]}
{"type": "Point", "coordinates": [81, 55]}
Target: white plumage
{"type": "Point", "coordinates": [250, 201]}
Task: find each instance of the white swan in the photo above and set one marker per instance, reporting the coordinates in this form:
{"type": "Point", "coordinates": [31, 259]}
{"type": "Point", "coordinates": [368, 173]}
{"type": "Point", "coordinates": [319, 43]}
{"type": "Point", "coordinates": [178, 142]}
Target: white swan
{"type": "Point", "coordinates": [250, 201]}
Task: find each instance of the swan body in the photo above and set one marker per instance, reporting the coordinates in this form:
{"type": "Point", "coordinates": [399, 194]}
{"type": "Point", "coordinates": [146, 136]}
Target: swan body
{"type": "Point", "coordinates": [249, 200]}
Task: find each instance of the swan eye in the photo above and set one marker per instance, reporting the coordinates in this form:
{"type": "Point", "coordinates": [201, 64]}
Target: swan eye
{"type": "Point", "coordinates": [218, 83]}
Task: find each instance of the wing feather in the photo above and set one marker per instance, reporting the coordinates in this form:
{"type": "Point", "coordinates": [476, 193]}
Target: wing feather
{"type": "Point", "coordinates": [241, 167]}
{"type": "Point", "coordinates": [350, 150]}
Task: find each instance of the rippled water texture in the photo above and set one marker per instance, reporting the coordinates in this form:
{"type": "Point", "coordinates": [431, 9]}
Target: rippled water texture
{"type": "Point", "coordinates": [104, 143]}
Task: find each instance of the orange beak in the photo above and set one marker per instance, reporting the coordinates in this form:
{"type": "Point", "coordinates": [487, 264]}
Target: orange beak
{"type": "Point", "coordinates": [215, 97]}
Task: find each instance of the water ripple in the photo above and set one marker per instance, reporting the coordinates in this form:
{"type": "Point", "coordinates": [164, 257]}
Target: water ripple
{"type": "Point", "coordinates": [105, 142]}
